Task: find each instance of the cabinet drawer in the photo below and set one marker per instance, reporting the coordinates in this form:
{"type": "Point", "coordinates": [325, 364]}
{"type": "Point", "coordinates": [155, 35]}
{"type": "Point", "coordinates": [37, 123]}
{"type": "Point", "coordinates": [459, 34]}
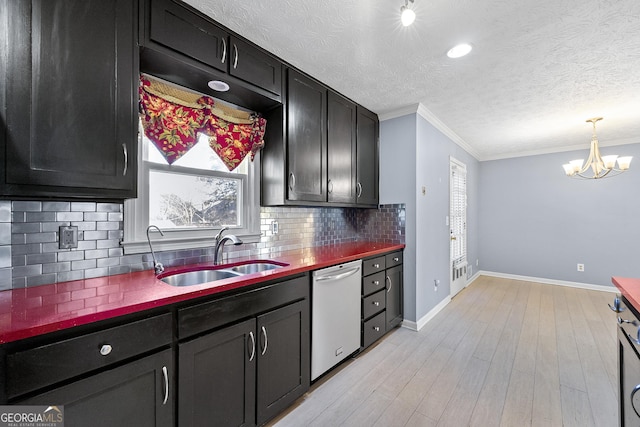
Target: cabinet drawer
{"type": "Point", "coordinates": [372, 283]}
{"type": "Point", "coordinates": [38, 367]}
{"type": "Point", "coordinates": [373, 304]}
{"type": "Point", "coordinates": [373, 329]}
{"type": "Point", "coordinates": [373, 265]}
{"type": "Point", "coordinates": [393, 259]}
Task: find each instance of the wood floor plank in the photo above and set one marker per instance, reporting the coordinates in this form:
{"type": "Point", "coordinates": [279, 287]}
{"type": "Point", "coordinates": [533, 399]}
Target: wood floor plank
{"type": "Point", "coordinates": [547, 408]}
{"type": "Point", "coordinates": [575, 408]}
{"type": "Point", "coordinates": [503, 352]}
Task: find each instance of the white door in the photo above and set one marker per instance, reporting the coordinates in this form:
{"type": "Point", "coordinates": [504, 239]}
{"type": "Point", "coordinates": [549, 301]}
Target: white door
{"type": "Point", "coordinates": [458, 225]}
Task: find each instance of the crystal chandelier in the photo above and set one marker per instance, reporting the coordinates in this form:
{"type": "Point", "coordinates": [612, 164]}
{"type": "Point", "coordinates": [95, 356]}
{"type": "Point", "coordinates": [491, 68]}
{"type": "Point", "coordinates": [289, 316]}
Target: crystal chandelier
{"type": "Point", "coordinates": [601, 166]}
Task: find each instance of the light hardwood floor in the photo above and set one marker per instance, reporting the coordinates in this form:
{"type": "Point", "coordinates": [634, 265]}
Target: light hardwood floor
{"type": "Point", "coordinates": [502, 353]}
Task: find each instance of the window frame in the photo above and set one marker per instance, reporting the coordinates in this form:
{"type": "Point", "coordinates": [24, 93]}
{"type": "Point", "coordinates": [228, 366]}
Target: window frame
{"type": "Point", "coordinates": [136, 211]}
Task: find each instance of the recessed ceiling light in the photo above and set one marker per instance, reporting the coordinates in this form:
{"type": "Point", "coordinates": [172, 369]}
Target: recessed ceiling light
{"type": "Point", "coordinates": [459, 50]}
{"type": "Point", "coordinates": [218, 85]}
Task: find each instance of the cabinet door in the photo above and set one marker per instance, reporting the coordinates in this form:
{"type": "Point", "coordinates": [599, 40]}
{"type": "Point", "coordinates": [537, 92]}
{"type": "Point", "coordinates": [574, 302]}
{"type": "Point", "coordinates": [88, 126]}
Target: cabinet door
{"type": "Point", "coordinates": [307, 139]}
{"type": "Point", "coordinates": [217, 378]}
{"type": "Point", "coordinates": [341, 149]}
{"type": "Point", "coordinates": [394, 297]}
{"type": "Point", "coordinates": [136, 394]}
{"type": "Point", "coordinates": [367, 169]}
{"type": "Point", "coordinates": [71, 98]}
{"type": "Point", "coordinates": [175, 26]}
{"type": "Point", "coordinates": [254, 66]}
{"type": "Point", "coordinates": [283, 358]}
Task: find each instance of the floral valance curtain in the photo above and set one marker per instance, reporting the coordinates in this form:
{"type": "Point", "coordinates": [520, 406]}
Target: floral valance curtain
{"type": "Point", "coordinates": [172, 118]}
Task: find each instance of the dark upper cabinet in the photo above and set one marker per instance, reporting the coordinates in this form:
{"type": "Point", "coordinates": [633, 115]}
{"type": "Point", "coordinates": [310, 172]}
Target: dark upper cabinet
{"type": "Point", "coordinates": [254, 66]}
{"type": "Point", "coordinates": [184, 46]}
{"type": "Point", "coordinates": [321, 149]}
{"type": "Point", "coordinates": [68, 101]}
{"type": "Point", "coordinates": [306, 139]}
{"type": "Point", "coordinates": [175, 26]}
{"type": "Point", "coordinates": [367, 157]}
{"type": "Point", "coordinates": [341, 151]}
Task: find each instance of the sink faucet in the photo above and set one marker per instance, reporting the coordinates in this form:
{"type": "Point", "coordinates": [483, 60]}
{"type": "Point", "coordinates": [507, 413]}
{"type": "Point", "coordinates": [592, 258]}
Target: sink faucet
{"type": "Point", "coordinates": [157, 267]}
{"type": "Point", "coordinates": [220, 241]}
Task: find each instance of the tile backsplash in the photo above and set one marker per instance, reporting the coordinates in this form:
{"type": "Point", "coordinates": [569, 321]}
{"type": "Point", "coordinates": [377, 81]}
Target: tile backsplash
{"type": "Point", "coordinates": [30, 256]}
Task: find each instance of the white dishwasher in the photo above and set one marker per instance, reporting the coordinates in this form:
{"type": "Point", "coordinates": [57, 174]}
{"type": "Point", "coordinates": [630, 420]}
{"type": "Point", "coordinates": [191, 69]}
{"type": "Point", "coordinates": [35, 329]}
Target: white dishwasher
{"type": "Point", "coordinates": [335, 315]}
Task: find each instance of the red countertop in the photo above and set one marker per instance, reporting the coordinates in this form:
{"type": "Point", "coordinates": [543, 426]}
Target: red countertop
{"type": "Point", "coordinates": [630, 289]}
{"type": "Point", "coordinates": [28, 312]}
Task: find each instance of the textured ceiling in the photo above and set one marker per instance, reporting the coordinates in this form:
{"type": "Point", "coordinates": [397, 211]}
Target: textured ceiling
{"type": "Point", "coordinates": [538, 70]}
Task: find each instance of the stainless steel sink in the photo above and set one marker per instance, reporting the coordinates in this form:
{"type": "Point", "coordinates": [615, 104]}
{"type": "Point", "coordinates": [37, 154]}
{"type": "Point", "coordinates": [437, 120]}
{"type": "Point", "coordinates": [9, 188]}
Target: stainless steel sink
{"type": "Point", "coordinates": [198, 277]}
{"type": "Point", "coordinates": [211, 274]}
{"type": "Point", "coordinates": [255, 267]}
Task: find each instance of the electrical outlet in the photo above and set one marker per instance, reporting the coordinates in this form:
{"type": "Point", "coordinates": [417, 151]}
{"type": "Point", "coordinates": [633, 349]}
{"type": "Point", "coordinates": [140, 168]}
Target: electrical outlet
{"type": "Point", "coordinates": [580, 267]}
{"type": "Point", "coordinates": [436, 282]}
{"type": "Point", "coordinates": [424, 190]}
{"type": "Point", "coordinates": [68, 237]}
{"type": "Point", "coordinates": [274, 227]}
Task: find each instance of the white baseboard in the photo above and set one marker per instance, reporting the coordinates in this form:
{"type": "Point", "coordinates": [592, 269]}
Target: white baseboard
{"type": "Point", "coordinates": [416, 326]}
{"type": "Point", "coordinates": [548, 281]}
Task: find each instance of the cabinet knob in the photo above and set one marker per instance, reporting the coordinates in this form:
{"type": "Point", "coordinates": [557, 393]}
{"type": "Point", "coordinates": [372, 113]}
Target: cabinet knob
{"type": "Point", "coordinates": [376, 265]}
{"type": "Point", "coordinates": [396, 259]}
{"type": "Point", "coordinates": [376, 328]}
{"type": "Point", "coordinates": [376, 303]}
{"type": "Point", "coordinates": [376, 282]}
{"type": "Point", "coordinates": [105, 349]}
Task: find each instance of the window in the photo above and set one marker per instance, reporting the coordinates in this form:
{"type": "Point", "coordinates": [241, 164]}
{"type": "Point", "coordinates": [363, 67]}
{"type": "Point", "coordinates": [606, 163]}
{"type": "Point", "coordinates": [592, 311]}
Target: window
{"type": "Point", "coordinates": [191, 199]}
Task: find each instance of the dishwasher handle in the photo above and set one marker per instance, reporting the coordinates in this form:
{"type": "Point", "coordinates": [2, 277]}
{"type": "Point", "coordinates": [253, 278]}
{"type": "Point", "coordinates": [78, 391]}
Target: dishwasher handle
{"type": "Point", "coordinates": [342, 275]}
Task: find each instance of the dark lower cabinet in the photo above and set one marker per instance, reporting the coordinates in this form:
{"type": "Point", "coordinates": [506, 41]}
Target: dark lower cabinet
{"type": "Point", "coordinates": [394, 297]}
{"type": "Point", "coordinates": [217, 378]}
{"type": "Point", "coordinates": [68, 102]}
{"type": "Point", "coordinates": [283, 359]}
{"type": "Point", "coordinates": [139, 393]}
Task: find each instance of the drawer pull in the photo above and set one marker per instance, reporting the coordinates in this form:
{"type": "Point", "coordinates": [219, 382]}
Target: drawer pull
{"type": "Point", "coordinates": [165, 377]}
{"type": "Point", "coordinates": [105, 349]}
{"type": "Point", "coordinates": [376, 282]}
{"type": "Point", "coordinates": [253, 347]}
{"type": "Point", "coordinates": [390, 284]}
{"type": "Point", "coordinates": [376, 328]}
{"type": "Point", "coordinates": [376, 303]}
{"type": "Point", "coordinates": [266, 341]}
{"type": "Point", "coordinates": [376, 265]}
{"type": "Point", "coordinates": [396, 259]}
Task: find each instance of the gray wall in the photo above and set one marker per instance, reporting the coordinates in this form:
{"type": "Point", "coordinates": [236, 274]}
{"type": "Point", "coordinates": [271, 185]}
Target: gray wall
{"type": "Point", "coordinates": [415, 154]}
{"type": "Point", "coordinates": [534, 221]}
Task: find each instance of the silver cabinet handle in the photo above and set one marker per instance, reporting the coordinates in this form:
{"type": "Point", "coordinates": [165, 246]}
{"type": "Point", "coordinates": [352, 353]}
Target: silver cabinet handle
{"type": "Point", "coordinates": [616, 305]}
{"type": "Point", "coordinates": [292, 181]}
{"type": "Point", "coordinates": [390, 284]}
{"type": "Point", "coordinates": [224, 50]}
{"type": "Point", "coordinates": [633, 322]}
{"type": "Point", "coordinates": [165, 376]}
{"type": "Point", "coordinates": [253, 346]}
{"type": "Point", "coordinates": [359, 190]}
{"type": "Point", "coordinates": [633, 393]}
{"type": "Point", "coordinates": [126, 159]}
{"type": "Point", "coordinates": [376, 303]}
{"type": "Point", "coordinates": [376, 328]}
{"type": "Point", "coordinates": [105, 349]}
{"type": "Point", "coordinates": [376, 265]}
{"type": "Point", "coordinates": [330, 186]}
{"type": "Point", "coordinates": [376, 282]}
{"type": "Point", "coordinates": [235, 56]}
{"type": "Point", "coordinates": [396, 259]}
{"type": "Point", "coordinates": [266, 341]}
